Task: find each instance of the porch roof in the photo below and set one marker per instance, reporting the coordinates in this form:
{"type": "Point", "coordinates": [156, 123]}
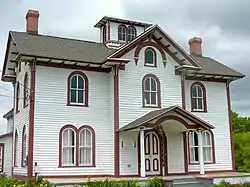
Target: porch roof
{"type": "Point", "coordinates": [150, 116]}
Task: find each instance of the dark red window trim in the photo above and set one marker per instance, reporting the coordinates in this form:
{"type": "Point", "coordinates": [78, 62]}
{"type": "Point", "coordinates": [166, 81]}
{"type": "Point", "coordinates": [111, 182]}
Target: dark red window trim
{"type": "Point", "coordinates": [86, 95]}
{"type": "Point", "coordinates": [15, 147]}
{"type": "Point", "coordinates": [104, 34]}
{"type": "Point", "coordinates": [77, 131]}
{"type": "Point", "coordinates": [213, 149]}
{"type": "Point", "coordinates": [2, 147]}
{"type": "Point", "coordinates": [155, 57]}
{"type": "Point", "coordinates": [17, 96]}
{"type": "Point", "coordinates": [204, 97]}
{"type": "Point", "coordinates": [24, 141]}
{"type": "Point", "coordinates": [25, 92]}
{"type": "Point", "coordinates": [128, 32]}
{"type": "Point", "coordinates": [158, 86]}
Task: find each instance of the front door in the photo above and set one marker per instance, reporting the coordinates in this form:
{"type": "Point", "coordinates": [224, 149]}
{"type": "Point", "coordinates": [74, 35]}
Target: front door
{"type": "Point", "coordinates": [152, 154]}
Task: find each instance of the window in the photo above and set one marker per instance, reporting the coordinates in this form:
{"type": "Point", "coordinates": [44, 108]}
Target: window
{"type": "Point", "coordinates": [85, 147]}
{"type": "Point", "coordinates": [122, 33]}
{"type": "Point", "coordinates": [206, 145]}
{"type": "Point", "coordinates": [104, 34]}
{"type": "Point", "coordinates": [1, 157]}
{"type": "Point", "coordinates": [25, 91]}
{"type": "Point", "coordinates": [15, 148]}
{"type": "Point", "coordinates": [198, 97]}
{"type": "Point", "coordinates": [131, 33]}
{"type": "Point", "coordinates": [17, 96]}
{"type": "Point", "coordinates": [69, 147]}
{"type": "Point", "coordinates": [77, 89]}
{"type": "Point", "coordinates": [150, 57]}
{"type": "Point", "coordinates": [151, 91]}
{"type": "Point", "coordinates": [24, 147]}
{"type": "Point", "coordinates": [77, 146]}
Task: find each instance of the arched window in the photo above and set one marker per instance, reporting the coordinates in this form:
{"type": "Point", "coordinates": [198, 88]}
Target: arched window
{"type": "Point", "coordinates": [77, 146]}
{"type": "Point", "coordinates": [26, 91]}
{"type": "Point", "coordinates": [207, 146]}
{"type": "Point", "coordinates": [68, 141]}
{"type": "Point", "coordinates": [131, 33]}
{"type": "Point", "coordinates": [122, 33]}
{"type": "Point", "coordinates": [151, 91]}
{"type": "Point", "coordinates": [17, 96]}
{"type": "Point", "coordinates": [198, 97]}
{"type": "Point", "coordinates": [104, 34]}
{"type": "Point", "coordinates": [24, 147]}
{"type": "Point", "coordinates": [86, 146]}
{"type": "Point", "coordinates": [150, 57]}
{"type": "Point", "coordinates": [77, 89]}
{"type": "Point", "coordinates": [15, 147]}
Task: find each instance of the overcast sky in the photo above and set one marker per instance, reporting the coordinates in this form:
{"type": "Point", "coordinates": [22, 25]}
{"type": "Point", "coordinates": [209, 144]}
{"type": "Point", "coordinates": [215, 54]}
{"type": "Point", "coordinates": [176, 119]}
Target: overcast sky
{"type": "Point", "coordinates": [223, 25]}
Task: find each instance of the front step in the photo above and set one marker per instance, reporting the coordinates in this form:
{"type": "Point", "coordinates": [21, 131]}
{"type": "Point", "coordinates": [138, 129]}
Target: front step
{"type": "Point", "coordinates": [187, 182]}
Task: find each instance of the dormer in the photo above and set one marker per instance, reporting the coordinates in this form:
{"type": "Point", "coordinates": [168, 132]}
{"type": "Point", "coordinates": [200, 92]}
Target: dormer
{"type": "Point", "coordinates": [115, 31]}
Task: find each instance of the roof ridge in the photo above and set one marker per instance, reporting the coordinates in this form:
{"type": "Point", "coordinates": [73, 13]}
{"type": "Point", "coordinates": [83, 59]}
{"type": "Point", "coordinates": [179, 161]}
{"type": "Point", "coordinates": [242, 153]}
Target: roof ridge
{"type": "Point", "coordinates": [59, 37]}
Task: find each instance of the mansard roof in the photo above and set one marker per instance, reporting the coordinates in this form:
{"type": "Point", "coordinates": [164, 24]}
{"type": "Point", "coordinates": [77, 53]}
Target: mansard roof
{"type": "Point", "coordinates": [75, 50]}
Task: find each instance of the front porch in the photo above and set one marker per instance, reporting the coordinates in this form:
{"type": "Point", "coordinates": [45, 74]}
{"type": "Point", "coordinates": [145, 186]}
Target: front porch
{"type": "Point", "coordinates": [169, 141]}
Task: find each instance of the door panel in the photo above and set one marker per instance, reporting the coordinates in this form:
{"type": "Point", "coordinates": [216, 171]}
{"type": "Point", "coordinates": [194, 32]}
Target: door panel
{"type": "Point", "coordinates": [152, 154]}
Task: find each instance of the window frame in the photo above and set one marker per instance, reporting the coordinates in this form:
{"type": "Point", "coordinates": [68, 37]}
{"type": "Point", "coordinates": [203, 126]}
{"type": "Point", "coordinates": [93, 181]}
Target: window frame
{"type": "Point", "coordinates": [158, 92]}
{"type": "Point", "coordinates": [25, 91]}
{"type": "Point", "coordinates": [15, 148]}
{"type": "Point", "coordinates": [104, 34]}
{"type": "Point", "coordinates": [212, 148]}
{"type": "Point", "coordinates": [135, 34]}
{"type": "Point", "coordinates": [17, 96]}
{"type": "Point", "coordinates": [86, 89]}
{"type": "Point", "coordinates": [204, 98]}
{"type": "Point", "coordinates": [24, 147]}
{"type": "Point", "coordinates": [77, 146]}
{"type": "Point", "coordinates": [2, 157]}
{"type": "Point", "coordinates": [125, 33]}
{"type": "Point", "coordinates": [154, 57]}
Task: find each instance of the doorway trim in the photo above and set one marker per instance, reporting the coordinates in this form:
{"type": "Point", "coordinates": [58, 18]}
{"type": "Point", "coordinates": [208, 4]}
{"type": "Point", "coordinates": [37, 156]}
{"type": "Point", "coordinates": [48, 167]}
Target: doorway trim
{"type": "Point", "coordinates": [163, 150]}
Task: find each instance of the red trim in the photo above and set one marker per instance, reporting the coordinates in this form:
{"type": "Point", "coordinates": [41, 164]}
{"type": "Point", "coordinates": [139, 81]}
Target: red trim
{"type": "Point", "coordinates": [154, 138]}
{"type": "Point", "coordinates": [155, 57]}
{"type": "Point", "coordinates": [23, 148]}
{"type": "Point", "coordinates": [6, 135]}
{"type": "Point", "coordinates": [17, 96]}
{"type": "Point", "coordinates": [126, 38]}
{"type": "Point", "coordinates": [183, 92]}
{"type": "Point", "coordinates": [204, 97]}
{"type": "Point", "coordinates": [157, 164]}
{"type": "Point", "coordinates": [86, 93]}
{"type": "Point", "coordinates": [147, 144]}
{"type": "Point", "coordinates": [116, 122]}
{"type": "Point", "coordinates": [77, 143]}
{"type": "Point", "coordinates": [31, 119]}
{"type": "Point", "coordinates": [15, 148]}
{"type": "Point", "coordinates": [2, 147]}
{"type": "Point", "coordinates": [104, 34]}
{"type": "Point", "coordinates": [158, 86]}
{"type": "Point", "coordinates": [128, 32]}
{"type": "Point", "coordinates": [147, 165]}
{"type": "Point", "coordinates": [108, 30]}
{"type": "Point", "coordinates": [186, 157]}
{"type": "Point", "coordinates": [230, 126]}
{"type": "Point", "coordinates": [152, 44]}
{"type": "Point", "coordinates": [25, 87]}
{"type": "Point", "coordinates": [212, 144]}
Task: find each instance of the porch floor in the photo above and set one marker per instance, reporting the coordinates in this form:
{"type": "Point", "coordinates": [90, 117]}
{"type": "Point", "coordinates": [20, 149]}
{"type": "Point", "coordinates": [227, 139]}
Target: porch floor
{"type": "Point", "coordinates": [170, 178]}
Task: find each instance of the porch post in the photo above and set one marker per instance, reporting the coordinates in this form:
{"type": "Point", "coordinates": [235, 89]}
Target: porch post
{"type": "Point", "coordinates": [142, 148]}
{"type": "Point", "coordinates": [201, 159]}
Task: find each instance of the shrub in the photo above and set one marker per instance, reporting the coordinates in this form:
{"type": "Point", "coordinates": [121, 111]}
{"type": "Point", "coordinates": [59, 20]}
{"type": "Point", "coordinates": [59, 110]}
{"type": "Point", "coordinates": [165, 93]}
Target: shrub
{"type": "Point", "coordinates": [227, 184]}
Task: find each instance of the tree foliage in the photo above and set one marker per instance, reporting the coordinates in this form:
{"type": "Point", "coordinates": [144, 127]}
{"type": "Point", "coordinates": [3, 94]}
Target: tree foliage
{"type": "Point", "coordinates": [241, 131]}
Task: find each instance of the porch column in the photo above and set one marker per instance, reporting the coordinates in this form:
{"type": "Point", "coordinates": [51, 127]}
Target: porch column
{"type": "Point", "coordinates": [142, 147]}
{"type": "Point", "coordinates": [201, 159]}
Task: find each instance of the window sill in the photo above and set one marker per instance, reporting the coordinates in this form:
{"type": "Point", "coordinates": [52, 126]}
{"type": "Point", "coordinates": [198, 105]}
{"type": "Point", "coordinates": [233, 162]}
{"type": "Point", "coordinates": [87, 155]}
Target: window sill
{"type": "Point", "coordinates": [206, 163]}
{"type": "Point", "coordinates": [199, 111]}
{"type": "Point", "coordinates": [76, 105]}
{"type": "Point", "coordinates": [91, 166]}
{"type": "Point", "coordinates": [152, 66]}
{"type": "Point", "coordinates": [151, 106]}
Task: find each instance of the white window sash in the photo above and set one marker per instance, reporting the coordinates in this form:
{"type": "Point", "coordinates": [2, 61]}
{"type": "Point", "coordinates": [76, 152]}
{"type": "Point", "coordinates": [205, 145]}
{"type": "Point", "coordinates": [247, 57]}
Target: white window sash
{"type": "Point", "coordinates": [77, 89]}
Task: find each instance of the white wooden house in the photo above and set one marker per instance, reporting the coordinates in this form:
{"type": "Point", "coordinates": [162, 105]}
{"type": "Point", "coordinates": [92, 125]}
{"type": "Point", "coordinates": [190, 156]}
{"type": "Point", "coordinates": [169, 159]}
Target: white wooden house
{"type": "Point", "coordinates": [134, 103]}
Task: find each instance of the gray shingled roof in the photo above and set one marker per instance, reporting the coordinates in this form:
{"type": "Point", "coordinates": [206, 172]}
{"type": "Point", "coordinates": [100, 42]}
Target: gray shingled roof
{"type": "Point", "coordinates": [211, 66]}
{"type": "Point", "coordinates": [157, 113]}
{"type": "Point", "coordinates": [88, 51]}
{"type": "Point", "coordinates": [61, 48]}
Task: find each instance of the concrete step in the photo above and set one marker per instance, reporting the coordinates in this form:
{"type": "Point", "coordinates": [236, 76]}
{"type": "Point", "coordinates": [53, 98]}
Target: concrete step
{"type": "Point", "coordinates": [187, 182]}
